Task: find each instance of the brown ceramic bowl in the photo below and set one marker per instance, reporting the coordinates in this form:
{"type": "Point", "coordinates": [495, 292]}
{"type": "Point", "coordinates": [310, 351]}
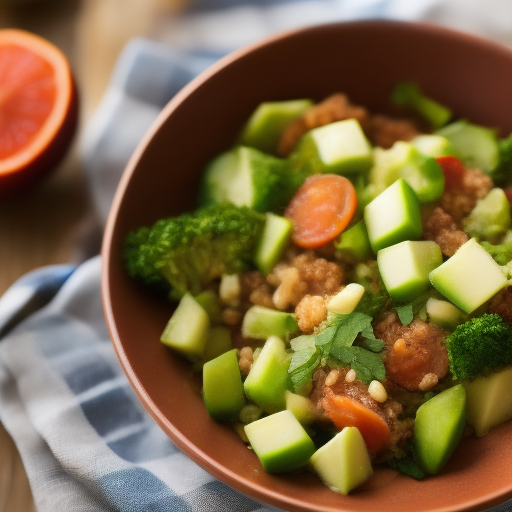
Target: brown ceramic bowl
{"type": "Point", "coordinates": [363, 59]}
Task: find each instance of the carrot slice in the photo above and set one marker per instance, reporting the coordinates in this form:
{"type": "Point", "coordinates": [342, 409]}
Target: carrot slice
{"type": "Point", "coordinates": [345, 411]}
{"type": "Point", "coordinates": [453, 171]}
{"type": "Point", "coordinates": [38, 108]}
{"type": "Point", "coordinates": [321, 209]}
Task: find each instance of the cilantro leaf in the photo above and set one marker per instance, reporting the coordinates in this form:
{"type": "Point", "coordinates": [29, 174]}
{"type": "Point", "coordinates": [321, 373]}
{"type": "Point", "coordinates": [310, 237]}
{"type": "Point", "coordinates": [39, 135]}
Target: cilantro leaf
{"type": "Point", "coordinates": [367, 365]}
{"type": "Point", "coordinates": [302, 366]}
{"type": "Point", "coordinates": [405, 313]}
{"type": "Point", "coordinates": [407, 466]}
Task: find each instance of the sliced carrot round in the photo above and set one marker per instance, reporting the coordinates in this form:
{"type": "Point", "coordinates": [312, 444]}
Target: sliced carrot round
{"type": "Point", "coordinates": [321, 209]}
{"type": "Point", "coordinates": [345, 411]}
{"type": "Point", "coordinates": [38, 108]}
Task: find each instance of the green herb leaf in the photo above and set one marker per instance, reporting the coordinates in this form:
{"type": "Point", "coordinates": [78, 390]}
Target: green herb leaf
{"type": "Point", "coordinates": [302, 366]}
{"type": "Point", "coordinates": [405, 313]}
{"type": "Point", "coordinates": [367, 365]}
{"type": "Point", "coordinates": [407, 466]}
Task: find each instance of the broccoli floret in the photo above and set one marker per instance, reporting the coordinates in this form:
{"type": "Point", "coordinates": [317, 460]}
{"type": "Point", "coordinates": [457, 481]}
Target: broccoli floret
{"type": "Point", "coordinates": [502, 253]}
{"type": "Point", "coordinates": [502, 175]}
{"type": "Point", "coordinates": [409, 94]}
{"type": "Point", "coordinates": [188, 252]}
{"type": "Point", "coordinates": [479, 346]}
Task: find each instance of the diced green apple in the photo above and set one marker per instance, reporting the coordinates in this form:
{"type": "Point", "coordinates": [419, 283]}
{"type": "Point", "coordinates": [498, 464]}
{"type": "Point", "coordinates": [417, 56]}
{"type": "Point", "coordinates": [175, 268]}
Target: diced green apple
{"type": "Point", "coordinates": [223, 391]}
{"type": "Point", "coordinates": [343, 463]}
{"type": "Point", "coordinates": [489, 401]}
{"type": "Point", "coordinates": [393, 216]}
{"type": "Point", "coordinates": [490, 218]}
{"type": "Point", "coordinates": [274, 239]}
{"type": "Point", "coordinates": [353, 244]}
{"type": "Point", "coordinates": [268, 121]}
{"type": "Point", "coordinates": [340, 147]}
{"type": "Point", "coordinates": [218, 342]}
{"type": "Point", "coordinates": [187, 330]}
{"type": "Point", "coordinates": [438, 428]}
{"type": "Point", "coordinates": [443, 313]}
{"type": "Point", "coordinates": [268, 378]}
{"type": "Point", "coordinates": [434, 145]}
{"type": "Point", "coordinates": [301, 407]}
{"type": "Point", "coordinates": [406, 266]}
{"type": "Point", "coordinates": [280, 442]}
{"type": "Point", "coordinates": [345, 301]}
{"type": "Point", "coordinates": [260, 323]}
{"type": "Point", "coordinates": [469, 278]}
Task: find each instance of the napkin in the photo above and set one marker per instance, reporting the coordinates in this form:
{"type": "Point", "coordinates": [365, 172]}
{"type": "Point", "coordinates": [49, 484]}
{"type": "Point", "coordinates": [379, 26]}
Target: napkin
{"type": "Point", "coordinates": [86, 442]}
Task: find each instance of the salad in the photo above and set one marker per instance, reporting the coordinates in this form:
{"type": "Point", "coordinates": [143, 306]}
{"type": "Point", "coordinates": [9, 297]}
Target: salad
{"type": "Point", "coordinates": [344, 285]}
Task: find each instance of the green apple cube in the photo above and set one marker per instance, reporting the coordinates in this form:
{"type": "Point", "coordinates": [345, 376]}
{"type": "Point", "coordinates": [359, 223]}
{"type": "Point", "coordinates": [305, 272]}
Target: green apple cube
{"type": "Point", "coordinates": [438, 428]}
{"type": "Point", "coordinates": [280, 442]}
{"type": "Point", "coordinates": [489, 401]}
{"type": "Point", "coordinates": [268, 378]}
{"type": "Point", "coordinates": [405, 268]}
{"type": "Point", "coordinates": [187, 330]}
{"type": "Point", "coordinates": [260, 323]}
{"type": "Point", "coordinates": [443, 313]}
{"type": "Point", "coordinates": [434, 145]}
{"type": "Point", "coordinates": [343, 463]}
{"type": "Point", "coordinates": [345, 301]}
{"type": "Point", "coordinates": [469, 278]}
{"type": "Point", "coordinates": [353, 244]}
{"type": "Point", "coordinates": [490, 218]}
{"type": "Point", "coordinates": [223, 390]}
{"type": "Point", "coordinates": [393, 216]}
{"type": "Point", "coordinates": [274, 239]}
{"type": "Point", "coordinates": [268, 121]}
{"type": "Point", "coordinates": [341, 147]}
{"type": "Point", "coordinates": [301, 407]}
{"type": "Point", "coordinates": [218, 342]}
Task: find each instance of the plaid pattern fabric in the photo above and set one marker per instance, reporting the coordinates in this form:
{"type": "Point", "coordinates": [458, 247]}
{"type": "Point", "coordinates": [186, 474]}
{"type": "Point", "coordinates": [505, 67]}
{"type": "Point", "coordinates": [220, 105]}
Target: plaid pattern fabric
{"type": "Point", "coordinates": [86, 441]}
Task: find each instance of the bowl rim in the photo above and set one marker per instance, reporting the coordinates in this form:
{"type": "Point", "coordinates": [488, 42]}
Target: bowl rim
{"type": "Point", "coordinates": [202, 459]}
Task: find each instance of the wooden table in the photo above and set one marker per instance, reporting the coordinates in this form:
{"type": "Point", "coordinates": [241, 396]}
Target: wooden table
{"type": "Point", "coordinates": [52, 223]}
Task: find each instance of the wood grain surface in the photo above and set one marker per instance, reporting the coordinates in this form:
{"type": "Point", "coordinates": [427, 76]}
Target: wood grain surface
{"type": "Point", "coordinates": [53, 223]}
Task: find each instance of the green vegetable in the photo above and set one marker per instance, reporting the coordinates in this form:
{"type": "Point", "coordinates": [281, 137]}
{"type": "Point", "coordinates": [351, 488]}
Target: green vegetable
{"type": "Point", "coordinates": [343, 463]}
{"type": "Point", "coordinates": [489, 400]}
{"type": "Point", "coordinates": [223, 391]}
{"type": "Point", "coordinates": [501, 253]}
{"type": "Point", "coordinates": [480, 346]}
{"type": "Point", "coordinates": [405, 267]}
{"type": "Point", "coordinates": [393, 216]}
{"type": "Point", "coordinates": [353, 244]}
{"type": "Point", "coordinates": [404, 160]}
{"type": "Point", "coordinates": [267, 381]}
{"type": "Point", "coordinates": [336, 341]}
{"type": "Point", "coordinates": [502, 175]}
{"type": "Point", "coordinates": [405, 314]}
{"type": "Point", "coordinates": [247, 177]}
{"type": "Point", "coordinates": [469, 278]}
{"type": "Point", "coordinates": [438, 428]}
{"type": "Point", "coordinates": [266, 124]}
{"type": "Point", "coordinates": [274, 239]}
{"type": "Point", "coordinates": [409, 94]}
{"type": "Point", "coordinates": [188, 252]}
{"type": "Point", "coordinates": [337, 148]}
{"type": "Point", "coordinates": [187, 330]}
{"type": "Point", "coordinates": [407, 466]}
{"type": "Point", "coordinates": [490, 218]}
{"type": "Point", "coordinates": [280, 442]}
{"type": "Point", "coordinates": [477, 146]}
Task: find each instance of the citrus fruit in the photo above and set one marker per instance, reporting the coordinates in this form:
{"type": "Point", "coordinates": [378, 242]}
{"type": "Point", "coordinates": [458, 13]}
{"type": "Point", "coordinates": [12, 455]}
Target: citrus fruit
{"type": "Point", "coordinates": [38, 108]}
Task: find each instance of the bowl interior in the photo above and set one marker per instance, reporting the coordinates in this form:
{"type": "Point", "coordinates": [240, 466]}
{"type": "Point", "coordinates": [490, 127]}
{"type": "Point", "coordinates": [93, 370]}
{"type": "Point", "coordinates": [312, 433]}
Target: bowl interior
{"type": "Point", "coordinates": [364, 60]}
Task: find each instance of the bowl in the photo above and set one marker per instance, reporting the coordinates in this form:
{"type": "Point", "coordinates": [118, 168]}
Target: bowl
{"type": "Point", "coordinates": [364, 60]}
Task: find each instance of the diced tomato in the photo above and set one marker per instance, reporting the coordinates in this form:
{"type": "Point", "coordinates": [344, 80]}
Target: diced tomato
{"type": "Point", "coordinates": [453, 170]}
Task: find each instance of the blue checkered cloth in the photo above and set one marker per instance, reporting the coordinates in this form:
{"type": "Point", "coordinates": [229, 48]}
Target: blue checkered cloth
{"type": "Point", "coordinates": [86, 442]}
